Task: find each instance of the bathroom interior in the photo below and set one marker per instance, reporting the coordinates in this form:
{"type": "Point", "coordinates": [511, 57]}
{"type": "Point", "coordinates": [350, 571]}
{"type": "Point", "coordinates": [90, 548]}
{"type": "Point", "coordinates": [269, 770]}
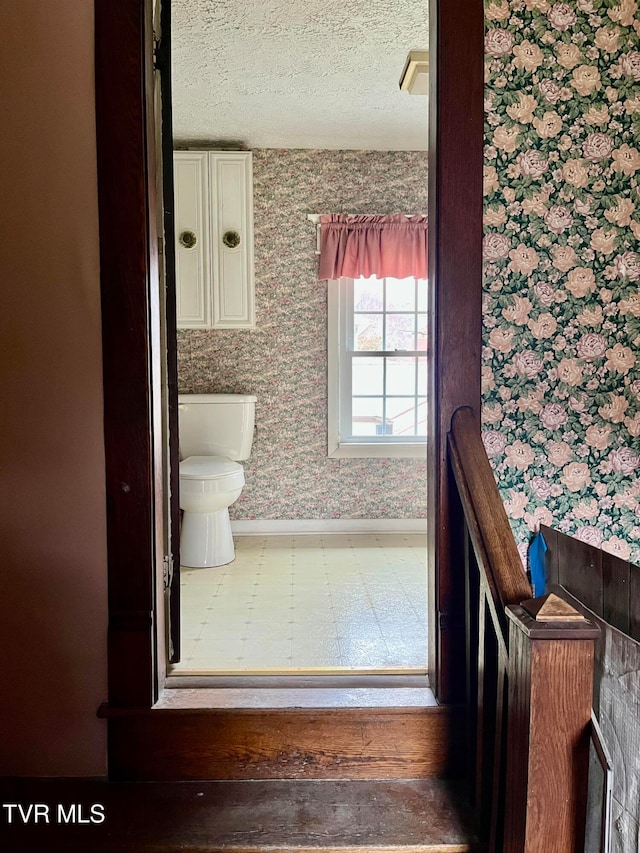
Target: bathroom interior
{"type": "Point", "coordinates": [296, 558]}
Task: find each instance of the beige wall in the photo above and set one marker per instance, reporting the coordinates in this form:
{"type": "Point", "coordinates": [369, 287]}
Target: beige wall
{"type": "Point", "coordinates": [52, 516]}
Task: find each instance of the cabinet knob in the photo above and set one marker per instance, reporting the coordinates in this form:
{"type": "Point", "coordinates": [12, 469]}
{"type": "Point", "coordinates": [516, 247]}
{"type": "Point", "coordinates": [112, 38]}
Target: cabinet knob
{"type": "Point", "coordinates": [231, 239]}
{"type": "Point", "coordinates": [188, 239]}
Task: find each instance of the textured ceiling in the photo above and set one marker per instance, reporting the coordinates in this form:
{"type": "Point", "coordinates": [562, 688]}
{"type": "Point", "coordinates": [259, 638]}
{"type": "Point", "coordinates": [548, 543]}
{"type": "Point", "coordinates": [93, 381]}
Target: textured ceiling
{"type": "Point", "coordinates": [297, 73]}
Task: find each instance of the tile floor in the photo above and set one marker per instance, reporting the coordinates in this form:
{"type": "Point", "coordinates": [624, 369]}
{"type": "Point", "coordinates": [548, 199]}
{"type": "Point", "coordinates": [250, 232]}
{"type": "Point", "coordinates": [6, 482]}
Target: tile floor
{"type": "Point", "coordinates": [308, 604]}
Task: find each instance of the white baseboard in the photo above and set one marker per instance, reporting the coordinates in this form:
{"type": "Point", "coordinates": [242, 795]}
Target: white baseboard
{"type": "Point", "coordinates": [300, 526]}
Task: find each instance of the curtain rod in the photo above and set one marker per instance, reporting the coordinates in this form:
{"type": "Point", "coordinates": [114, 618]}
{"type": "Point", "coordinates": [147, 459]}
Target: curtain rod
{"type": "Point", "coordinates": [315, 218]}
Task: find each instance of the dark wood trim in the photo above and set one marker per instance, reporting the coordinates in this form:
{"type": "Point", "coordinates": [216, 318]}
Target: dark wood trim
{"type": "Point", "coordinates": [550, 696]}
{"type": "Point", "coordinates": [455, 273]}
{"type": "Point", "coordinates": [489, 527]}
{"type": "Point", "coordinates": [287, 743]}
{"type": "Point", "coordinates": [634, 604]}
{"type": "Point", "coordinates": [605, 584]}
{"type": "Point", "coordinates": [163, 63]}
{"type": "Point", "coordinates": [128, 273]}
{"type": "Point", "coordinates": [534, 630]}
{"type": "Point", "coordinates": [616, 592]}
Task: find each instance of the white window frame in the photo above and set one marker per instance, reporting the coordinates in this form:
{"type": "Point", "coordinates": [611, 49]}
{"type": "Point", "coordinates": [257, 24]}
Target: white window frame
{"type": "Point", "coordinates": [339, 330]}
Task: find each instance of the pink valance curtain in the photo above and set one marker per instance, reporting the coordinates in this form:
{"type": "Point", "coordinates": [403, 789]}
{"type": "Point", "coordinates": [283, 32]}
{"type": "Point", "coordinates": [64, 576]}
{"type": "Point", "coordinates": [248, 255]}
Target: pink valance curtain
{"type": "Point", "coordinates": [354, 246]}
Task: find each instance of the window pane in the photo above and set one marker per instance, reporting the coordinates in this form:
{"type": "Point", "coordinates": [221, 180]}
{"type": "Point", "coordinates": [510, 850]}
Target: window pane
{"type": "Point", "coordinates": [422, 416]}
{"type": "Point", "coordinates": [367, 332]}
{"type": "Point", "coordinates": [401, 332]}
{"type": "Point", "coordinates": [422, 376]}
{"type": "Point", "coordinates": [367, 294]}
{"type": "Point", "coordinates": [401, 294]}
{"type": "Point", "coordinates": [367, 376]}
{"type": "Point", "coordinates": [388, 317]}
{"type": "Point", "coordinates": [402, 412]}
{"type": "Point", "coordinates": [401, 376]}
{"type": "Point", "coordinates": [422, 294]}
{"type": "Point", "coordinates": [422, 332]}
{"type": "Point", "coordinates": [367, 416]}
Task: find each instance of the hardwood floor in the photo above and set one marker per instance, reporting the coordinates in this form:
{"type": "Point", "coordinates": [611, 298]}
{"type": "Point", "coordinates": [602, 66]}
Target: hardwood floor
{"type": "Point", "coordinates": [420, 816]}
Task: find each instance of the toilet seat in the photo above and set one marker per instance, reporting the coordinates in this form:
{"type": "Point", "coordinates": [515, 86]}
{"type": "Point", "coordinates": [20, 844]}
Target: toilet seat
{"type": "Point", "coordinates": [208, 467]}
{"type": "Point", "coordinates": [209, 475]}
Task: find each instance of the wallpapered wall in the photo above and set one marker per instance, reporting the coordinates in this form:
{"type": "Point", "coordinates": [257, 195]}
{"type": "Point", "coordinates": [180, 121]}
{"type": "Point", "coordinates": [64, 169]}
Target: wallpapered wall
{"type": "Point", "coordinates": [284, 360]}
{"type": "Point", "coordinates": [561, 370]}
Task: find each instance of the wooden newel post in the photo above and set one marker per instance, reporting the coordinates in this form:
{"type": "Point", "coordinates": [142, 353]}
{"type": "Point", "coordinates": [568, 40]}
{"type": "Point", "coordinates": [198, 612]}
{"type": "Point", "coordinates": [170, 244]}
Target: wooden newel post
{"type": "Point", "coordinates": [550, 676]}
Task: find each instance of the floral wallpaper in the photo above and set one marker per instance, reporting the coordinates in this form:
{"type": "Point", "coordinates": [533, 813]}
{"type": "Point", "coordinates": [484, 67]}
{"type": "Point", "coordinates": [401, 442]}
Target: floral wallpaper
{"type": "Point", "coordinates": [284, 359]}
{"type": "Point", "coordinates": [561, 368]}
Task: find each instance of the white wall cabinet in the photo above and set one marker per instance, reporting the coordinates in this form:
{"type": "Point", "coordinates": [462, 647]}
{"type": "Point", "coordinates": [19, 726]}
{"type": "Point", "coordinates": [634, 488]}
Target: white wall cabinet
{"type": "Point", "coordinates": [193, 267]}
{"type": "Point", "coordinates": [214, 239]}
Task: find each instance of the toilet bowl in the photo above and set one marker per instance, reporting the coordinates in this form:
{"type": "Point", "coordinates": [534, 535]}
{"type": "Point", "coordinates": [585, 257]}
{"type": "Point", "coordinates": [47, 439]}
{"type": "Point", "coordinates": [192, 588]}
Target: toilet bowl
{"type": "Point", "coordinates": [208, 487]}
{"type": "Point", "coordinates": [215, 431]}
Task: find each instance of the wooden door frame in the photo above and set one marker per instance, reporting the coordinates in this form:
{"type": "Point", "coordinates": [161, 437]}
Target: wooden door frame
{"type": "Point", "coordinates": [129, 294]}
{"type": "Point", "coordinates": [129, 281]}
{"type": "Point", "coordinates": [456, 137]}
{"type": "Point", "coordinates": [163, 65]}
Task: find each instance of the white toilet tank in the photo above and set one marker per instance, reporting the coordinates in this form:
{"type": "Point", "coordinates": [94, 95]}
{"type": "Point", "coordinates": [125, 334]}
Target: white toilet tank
{"type": "Point", "coordinates": [216, 425]}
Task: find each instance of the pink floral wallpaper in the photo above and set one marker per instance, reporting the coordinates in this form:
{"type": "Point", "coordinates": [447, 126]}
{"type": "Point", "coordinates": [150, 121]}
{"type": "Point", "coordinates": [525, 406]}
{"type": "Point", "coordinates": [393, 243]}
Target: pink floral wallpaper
{"type": "Point", "coordinates": [561, 372]}
{"type": "Point", "coordinates": [284, 359]}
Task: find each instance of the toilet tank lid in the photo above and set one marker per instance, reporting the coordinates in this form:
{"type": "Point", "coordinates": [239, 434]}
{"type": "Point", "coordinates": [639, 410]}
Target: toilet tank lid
{"type": "Point", "coordinates": [216, 398]}
{"type": "Point", "coordinates": [208, 467]}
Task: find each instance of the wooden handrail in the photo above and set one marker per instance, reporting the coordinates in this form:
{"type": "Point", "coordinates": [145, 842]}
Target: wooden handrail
{"type": "Point", "coordinates": [529, 672]}
{"type": "Point", "coordinates": [485, 513]}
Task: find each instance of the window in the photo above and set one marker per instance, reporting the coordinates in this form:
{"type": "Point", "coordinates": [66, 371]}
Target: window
{"type": "Point", "coordinates": [377, 339]}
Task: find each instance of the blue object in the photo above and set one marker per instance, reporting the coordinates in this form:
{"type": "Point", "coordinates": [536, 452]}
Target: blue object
{"type": "Point", "coordinates": [537, 550]}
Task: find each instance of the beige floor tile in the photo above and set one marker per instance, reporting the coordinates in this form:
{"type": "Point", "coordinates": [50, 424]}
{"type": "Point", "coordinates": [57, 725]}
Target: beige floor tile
{"type": "Point", "coordinates": [266, 652]}
{"type": "Point", "coordinates": [334, 601]}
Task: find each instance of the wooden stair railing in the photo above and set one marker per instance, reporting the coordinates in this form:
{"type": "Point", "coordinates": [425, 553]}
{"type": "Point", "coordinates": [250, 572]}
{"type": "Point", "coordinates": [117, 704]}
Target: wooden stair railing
{"type": "Point", "coordinates": [604, 583]}
{"type": "Point", "coordinates": [529, 674]}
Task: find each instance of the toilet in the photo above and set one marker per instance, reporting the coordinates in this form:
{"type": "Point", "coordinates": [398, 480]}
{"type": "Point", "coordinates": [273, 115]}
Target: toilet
{"type": "Point", "coordinates": [215, 434]}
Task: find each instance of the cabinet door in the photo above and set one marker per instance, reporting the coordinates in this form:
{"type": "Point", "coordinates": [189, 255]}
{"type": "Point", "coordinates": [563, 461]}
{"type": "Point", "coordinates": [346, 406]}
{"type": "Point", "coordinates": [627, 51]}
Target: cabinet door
{"type": "Point", "coordinates": [231, 194]}
{"type": "Point", "coordinates": [193, 269]}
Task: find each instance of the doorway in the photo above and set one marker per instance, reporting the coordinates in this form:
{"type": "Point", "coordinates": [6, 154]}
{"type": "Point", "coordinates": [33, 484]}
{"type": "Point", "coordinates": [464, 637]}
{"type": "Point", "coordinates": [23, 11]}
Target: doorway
{"type": "Point", "coordinates": [137, 572]}
{"type": "Point", "coordinates": [330, 568]}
